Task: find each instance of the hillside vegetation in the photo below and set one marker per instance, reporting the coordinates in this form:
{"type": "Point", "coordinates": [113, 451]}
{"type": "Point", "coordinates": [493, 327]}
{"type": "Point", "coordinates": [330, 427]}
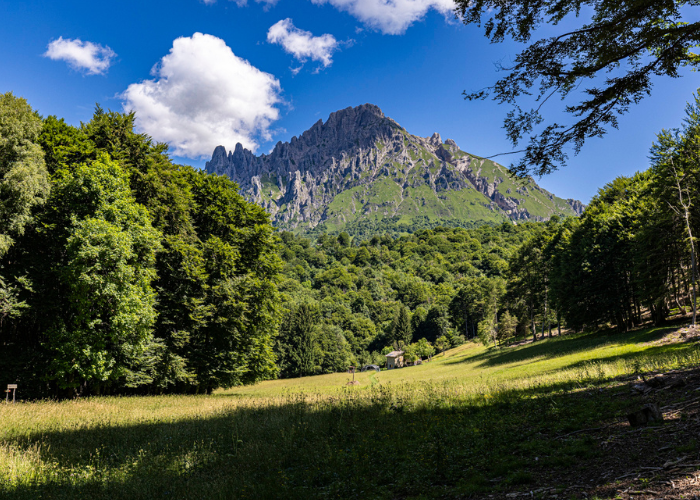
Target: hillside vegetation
{"type": "Point", "coordinates": [127, 274]}
{"type": "Point", "coordinates": [352, 298]}
{"type": "Point", "coordinates": [471, 423]}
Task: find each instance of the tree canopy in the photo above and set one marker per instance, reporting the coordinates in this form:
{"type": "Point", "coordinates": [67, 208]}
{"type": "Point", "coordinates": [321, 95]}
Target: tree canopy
{"type": "Point", "coordinates": [134, 274]}
{"type": "Point", "coordinates": [131, 274]}
{"type": "Point", "coordinates": [616, 48]}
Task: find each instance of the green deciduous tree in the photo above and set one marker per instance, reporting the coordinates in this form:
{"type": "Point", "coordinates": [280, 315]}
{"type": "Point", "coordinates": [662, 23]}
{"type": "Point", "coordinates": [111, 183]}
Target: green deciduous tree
{"type": "Point", "coordinates": [23, 176]}
{"type": "Point", "coordinates": [526, 283]}
{"type": "Point", "coordinates": [507, 324]}
{"type": "Point", "coordinates": [488, 328]}
{"type": "Point", "coordinates": [234, 345]}
{"type": "Point", "coordinates": [676, 167]}
{"type": "Point", "coordinates": [424, 349]}
{"type": "Point", "coordinates": [441, 343]}
{"type": "Point", "coordinates": [205, 283]}
{"type": "Point", "coordinates": [102, 333]}
{"type": "Point", "coordinates": [23, 185]}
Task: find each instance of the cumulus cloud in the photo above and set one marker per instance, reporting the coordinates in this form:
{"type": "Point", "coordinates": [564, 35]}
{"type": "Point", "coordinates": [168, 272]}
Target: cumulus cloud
{"type": "Point", "coordinates": [391, 17]}
{"type": "Point", "coordinates": [302, 44]}
{"type": "Point", "coordinates": [203, 95]}
{"type": "Point", "coordinates": [92, 58]}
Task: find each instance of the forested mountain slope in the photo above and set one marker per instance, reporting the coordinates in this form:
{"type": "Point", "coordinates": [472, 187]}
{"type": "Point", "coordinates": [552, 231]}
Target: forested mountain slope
{"type": "Point", "coordinates": [362, 172]}
{"type": "Point", "coordinates": [343, 302]}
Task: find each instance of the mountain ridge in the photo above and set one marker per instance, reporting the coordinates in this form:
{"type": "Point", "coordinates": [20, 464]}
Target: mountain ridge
{"type": "Point", "coordinates": [361, 164]}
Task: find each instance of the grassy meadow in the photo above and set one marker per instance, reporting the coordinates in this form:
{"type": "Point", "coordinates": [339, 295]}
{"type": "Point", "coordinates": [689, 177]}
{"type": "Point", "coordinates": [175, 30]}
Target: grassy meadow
{"type": "Point", "coordinates": [472, 422]}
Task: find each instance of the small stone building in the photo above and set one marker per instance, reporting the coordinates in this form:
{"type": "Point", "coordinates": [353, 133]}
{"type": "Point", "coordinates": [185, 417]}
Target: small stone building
{"type": "Point", "coordinates": [394, 360]}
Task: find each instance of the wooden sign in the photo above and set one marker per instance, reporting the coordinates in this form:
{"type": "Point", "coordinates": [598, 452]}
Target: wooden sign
{"type": "Point", "coordinates": [11, 388]}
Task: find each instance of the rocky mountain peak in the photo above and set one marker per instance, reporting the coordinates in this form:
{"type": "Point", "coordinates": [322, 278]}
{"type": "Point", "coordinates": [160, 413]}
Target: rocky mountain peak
{"type": "Point", "coordinates": [361, 115]}
{"type": "Point", "coordinates": [361, 164]}
{"type": "Point", "coordinates": [435, 140]}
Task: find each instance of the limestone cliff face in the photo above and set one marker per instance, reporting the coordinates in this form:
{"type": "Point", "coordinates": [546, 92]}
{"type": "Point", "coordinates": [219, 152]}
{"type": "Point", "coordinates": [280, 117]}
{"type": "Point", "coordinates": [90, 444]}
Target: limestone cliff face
{"type": "Point", "coordinates": [360, 163]}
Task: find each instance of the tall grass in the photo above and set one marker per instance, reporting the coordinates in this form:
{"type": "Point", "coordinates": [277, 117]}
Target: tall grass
{"type": "Point", "coordinates": [466, 422]}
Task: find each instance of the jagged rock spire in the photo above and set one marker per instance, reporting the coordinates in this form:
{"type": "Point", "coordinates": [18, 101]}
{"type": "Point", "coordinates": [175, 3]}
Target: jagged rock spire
{"type": "Point", "coordinates": [361, 151]}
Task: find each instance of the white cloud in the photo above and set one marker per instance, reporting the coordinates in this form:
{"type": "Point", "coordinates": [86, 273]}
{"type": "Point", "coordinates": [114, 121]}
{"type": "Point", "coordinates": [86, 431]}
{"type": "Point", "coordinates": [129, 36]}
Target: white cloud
{"type": "Point", "coordinates": [203, 95]}
{"type": "Point", "coordinates": [302, 44]}
{"type": "Point", "coordinates": [391, 17]}
{"type": "Point", "coordinates": [90, 57]}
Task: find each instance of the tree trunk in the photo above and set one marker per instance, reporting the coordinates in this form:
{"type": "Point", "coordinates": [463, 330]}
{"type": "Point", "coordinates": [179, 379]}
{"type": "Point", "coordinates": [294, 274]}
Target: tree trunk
{"type": "Point", "coordinates": [692, 259]}
{"type": "Point", "coordinates": [686, 289]}
{"type": "Point", "coordinates": [544, 318]}
{"type": "Point", "coordinates": [637, 311]}
{"type": "Point", "coordinates": [532, 321]}
{"type": "Point", "coordinates": [686, 216]}
{"type": "Point", "coordinates": [559, 323]}
{"type": "Point", "coordinates": [495, 330]}
{"type": "Point", "coordinates": [674, 281]}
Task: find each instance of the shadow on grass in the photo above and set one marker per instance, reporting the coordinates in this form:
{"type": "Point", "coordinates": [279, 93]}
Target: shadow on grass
{"type": "Point", "coordinates": [563, 346]}
{"type": "Point", "coordinates": [381, 444]}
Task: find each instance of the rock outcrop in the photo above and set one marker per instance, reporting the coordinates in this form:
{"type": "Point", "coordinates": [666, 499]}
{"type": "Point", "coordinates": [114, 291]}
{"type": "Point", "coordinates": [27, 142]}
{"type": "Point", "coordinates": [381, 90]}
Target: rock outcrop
{"type": "Point", "coordinates": [362, 163]}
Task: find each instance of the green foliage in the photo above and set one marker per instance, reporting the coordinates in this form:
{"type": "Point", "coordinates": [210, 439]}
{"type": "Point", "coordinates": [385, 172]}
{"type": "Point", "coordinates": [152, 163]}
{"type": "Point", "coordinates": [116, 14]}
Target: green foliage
{"type": "Point", "coordinates": [105, 330]}
{"type": "Point", "coordinates": [441, 343]}
{"type": "Point", "coordinates": [630, 254]}
{"type": "Point", "coordinates": [23, 186]}
{"type": "Point", "coordinates": [234, 344]}
{"type": "Point", "coordinates": [401, 326]}
{"type": "Point", "coordinates": [138, 274]}
{"type": "Point", "coordinates": [638, 40]}
{"type": "Point", "coordinates": [344, 239]}
{"type": "Point", "coordinates": [507, 325]}
{"type": "Point", "coordinates": [424, 349]}
{"type": "Point", "coordinates": [23, 176]}
{"type": "Point", "coordinates": [334, 350]}
{"type": "Point", "coordinates": [298, 338]}
{"type": "Point", "coordinates": [386, 290]}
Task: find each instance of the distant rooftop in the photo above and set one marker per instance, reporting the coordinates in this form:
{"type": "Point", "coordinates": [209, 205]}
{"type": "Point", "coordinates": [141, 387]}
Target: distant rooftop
{"type": "Point", "coordinates": [394, 354]}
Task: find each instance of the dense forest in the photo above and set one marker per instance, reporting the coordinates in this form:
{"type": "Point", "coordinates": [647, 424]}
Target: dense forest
{"type": "Point", "coordinates": [122, 272]}
{"type": "Point", "coordinates": [354, 300]}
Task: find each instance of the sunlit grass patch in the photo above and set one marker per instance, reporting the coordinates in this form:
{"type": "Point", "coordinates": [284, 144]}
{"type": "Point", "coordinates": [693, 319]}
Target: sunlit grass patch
{"type": "Point", "coordinates": [469, 422]}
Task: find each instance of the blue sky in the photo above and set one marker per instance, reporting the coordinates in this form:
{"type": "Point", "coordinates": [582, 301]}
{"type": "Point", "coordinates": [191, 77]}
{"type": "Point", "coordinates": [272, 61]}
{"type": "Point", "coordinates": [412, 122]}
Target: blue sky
{"type": "Point", "coordinates": [265, 71]}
